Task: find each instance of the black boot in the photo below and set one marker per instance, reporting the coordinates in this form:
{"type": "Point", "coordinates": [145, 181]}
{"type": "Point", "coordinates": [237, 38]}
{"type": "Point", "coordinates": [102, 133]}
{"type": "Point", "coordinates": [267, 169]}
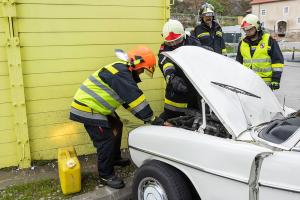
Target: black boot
{"type": "Point", "coordinates": [121, 162]}
{"type": "Point", "coordinates": [113, 181]}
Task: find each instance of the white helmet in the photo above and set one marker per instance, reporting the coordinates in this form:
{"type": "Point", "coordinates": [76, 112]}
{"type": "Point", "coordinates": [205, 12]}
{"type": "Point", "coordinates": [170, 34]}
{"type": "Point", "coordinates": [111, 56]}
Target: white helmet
{"type": "Point", "coordinates": [207, 10]}
{"type": "Point", "coordinates": [173, 32]}
{"type": "Point", "coordinates": [249, 22]}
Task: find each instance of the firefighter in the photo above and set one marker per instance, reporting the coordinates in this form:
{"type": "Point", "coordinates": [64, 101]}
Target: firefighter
{"type": "Point", "coordinates": [260, 52]}
{"type": "Point", "coordinates": [180, 94]}
{"type": "Point", "coordinates": [209, 32]}
{"type": "Point", "coordinates": [97, 98]}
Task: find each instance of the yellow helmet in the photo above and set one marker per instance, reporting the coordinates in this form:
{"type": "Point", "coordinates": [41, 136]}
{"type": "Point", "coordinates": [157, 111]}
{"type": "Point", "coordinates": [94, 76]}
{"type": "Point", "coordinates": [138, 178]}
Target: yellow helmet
{"type": "Point", "coordinates": [173, 32]}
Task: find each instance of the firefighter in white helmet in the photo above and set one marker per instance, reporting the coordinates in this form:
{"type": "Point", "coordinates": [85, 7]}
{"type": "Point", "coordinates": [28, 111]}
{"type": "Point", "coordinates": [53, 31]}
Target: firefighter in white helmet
{"type": "Point", "coordinates": [260, 52]}
{"type": "Point", "coordinates": [179, 91]}
{"type": "Point", "coordinates": [209, 31]}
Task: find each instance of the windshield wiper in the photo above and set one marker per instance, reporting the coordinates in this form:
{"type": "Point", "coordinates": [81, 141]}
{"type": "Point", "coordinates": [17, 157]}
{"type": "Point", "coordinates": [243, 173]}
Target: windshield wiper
{"type": "Point", "coordinates": [235, 89]}
{"type": "Point", "coordinates": [238, 91]}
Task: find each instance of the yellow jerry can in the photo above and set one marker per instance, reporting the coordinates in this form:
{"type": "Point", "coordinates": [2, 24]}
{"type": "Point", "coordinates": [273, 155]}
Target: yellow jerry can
{"type": "Point", "coordinates": [69, 170]}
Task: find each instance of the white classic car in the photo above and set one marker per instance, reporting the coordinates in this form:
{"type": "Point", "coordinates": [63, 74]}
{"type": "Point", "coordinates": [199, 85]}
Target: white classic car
{"type": "Point", "coordinates": [241, 144]}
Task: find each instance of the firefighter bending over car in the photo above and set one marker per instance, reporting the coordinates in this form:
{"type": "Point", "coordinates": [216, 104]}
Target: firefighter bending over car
{"type": "Point", "coordinates": [180, 93]}
{"type": "Point", "coordinates": [260, 52]}
{"type": "Point", "coordinates": [104, 91]}
{"type": "Point", "coordinates": [209, 31]}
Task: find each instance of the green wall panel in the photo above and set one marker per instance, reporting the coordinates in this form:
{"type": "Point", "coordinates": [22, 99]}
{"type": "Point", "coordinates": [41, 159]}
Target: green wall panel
{"type": "Point", "coordinates": [65, 65]}
{"type": "Point", "coordinates": [52, 153]}
{"type": "Point", "coordinates": [8, 161]}
{"type": "Point", "coordinates": [2, 37]}
{"type": "Point", "coordinates": [5, 109]}
{"type": "Point", "coordinates": [7, 136]}
{"type": "Point", "coordinates": [36, 25]}
{"type": "Point", "coordinates": [4, 95]}
{"type": "Point", "coordinates": [6, 123]}
{"type": "Point", "coordinates": [8, 149]}
{"type": "Point", "coordinates": [153, 3]}
{"type": "Point", "coordinates": [3, 69]}
{"type": "Point", "coordinates": [69, 52]}
{"type": "Point", "coordinates": [87, 38]}
{"type": "Point", "coordinates": [85, 11]}
{"type": "Point", "coordinates": [3, 56]}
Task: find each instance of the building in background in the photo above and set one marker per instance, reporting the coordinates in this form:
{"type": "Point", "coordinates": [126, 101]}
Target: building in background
{"type": "Point", "coordinates": [279, 16]}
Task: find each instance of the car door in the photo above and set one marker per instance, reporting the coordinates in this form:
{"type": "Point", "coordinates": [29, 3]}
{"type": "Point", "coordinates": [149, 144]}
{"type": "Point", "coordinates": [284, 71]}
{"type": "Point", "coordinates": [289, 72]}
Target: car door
{"type": "Point", "coordinates": [280, 176]}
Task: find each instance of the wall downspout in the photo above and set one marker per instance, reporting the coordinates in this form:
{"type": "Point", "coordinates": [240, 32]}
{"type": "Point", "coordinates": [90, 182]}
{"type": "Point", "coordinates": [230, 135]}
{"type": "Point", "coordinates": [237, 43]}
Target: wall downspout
{"type": "Point", "coordinates": [16, 83]}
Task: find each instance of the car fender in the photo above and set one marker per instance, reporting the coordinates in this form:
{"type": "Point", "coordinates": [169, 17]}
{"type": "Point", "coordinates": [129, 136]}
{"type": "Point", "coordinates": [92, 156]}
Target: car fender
{"type": "Point", "coordinates": [209, 162]}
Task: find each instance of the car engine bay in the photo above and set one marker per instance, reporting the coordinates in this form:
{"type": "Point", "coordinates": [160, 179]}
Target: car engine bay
{"type": "Point", "coordinates": [193, 120]}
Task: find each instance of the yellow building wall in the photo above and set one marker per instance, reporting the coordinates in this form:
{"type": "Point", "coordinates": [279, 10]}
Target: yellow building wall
{"type": "Point", "coordinates": [62, 42]}
{"type": "Point", "coordinates": [8, 150]}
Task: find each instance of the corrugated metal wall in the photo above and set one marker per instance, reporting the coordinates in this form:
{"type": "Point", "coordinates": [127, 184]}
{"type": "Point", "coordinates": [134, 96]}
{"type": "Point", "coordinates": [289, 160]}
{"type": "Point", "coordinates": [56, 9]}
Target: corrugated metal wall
{"type": "Point", "coordinates": [62, 42]}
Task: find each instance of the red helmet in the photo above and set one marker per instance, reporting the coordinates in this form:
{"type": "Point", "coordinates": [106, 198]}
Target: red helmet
{"type": "Point", "coordinates": [142, 57]}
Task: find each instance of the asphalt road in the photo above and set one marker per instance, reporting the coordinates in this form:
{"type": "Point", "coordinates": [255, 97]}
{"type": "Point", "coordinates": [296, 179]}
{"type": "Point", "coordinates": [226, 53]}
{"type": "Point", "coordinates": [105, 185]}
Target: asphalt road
{"type": "Point", "coordinates": [290, 85]}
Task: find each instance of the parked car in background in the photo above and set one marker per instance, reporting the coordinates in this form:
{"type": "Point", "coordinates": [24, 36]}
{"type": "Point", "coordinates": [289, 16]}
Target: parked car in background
{"type": "Point", "coordinates": [232, 34]}
{"type": "Point", "coordinates": [239, 144]}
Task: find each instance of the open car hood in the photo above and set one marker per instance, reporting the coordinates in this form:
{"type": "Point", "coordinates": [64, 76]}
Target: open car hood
{"type": "Point", "coordinates": [236, 94]}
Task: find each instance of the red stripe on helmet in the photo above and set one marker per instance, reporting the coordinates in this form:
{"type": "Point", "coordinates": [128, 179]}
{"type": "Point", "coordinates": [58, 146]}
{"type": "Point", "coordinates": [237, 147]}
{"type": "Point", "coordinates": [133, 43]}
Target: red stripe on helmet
{"type": "Point", "coordinates": [172, 36]}
{"type": "Point", "coordinates": [245, 24]}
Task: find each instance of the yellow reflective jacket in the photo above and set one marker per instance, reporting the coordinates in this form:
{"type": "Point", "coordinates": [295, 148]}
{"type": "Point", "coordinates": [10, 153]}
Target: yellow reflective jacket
{"type": "Point", "coordinates": [104, 91]}
{"type": "Point", "coordinates": [260, 62]}
{"type": "Point", "coordinates": [97, 95]}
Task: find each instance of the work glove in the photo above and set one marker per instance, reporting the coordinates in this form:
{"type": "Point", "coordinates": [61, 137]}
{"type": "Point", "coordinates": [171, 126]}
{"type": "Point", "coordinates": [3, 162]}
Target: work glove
{"type": "Point", "coordinates": [178, 84]}
{"type": "Point", "coordinates": [157, 121]}
{"type": "Point", "coordinates": [274, 85]}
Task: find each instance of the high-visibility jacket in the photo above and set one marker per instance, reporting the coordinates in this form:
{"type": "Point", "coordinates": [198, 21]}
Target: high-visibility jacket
{"type": "Point", "coordinates": [263, 57]}
{"type": "Point", "coordinates": [174, 101]}
{"type": "Point", "coordinates": [104, 91]}
{"type": "Point", "coordinates": [212, 37]}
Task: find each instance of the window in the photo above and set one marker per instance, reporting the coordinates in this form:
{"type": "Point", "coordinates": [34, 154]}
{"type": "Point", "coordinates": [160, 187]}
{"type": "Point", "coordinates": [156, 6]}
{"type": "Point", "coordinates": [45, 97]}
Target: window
{"type": "Point", "coordinates": [263, 12]}
{"type": "Point", "coordinates": [285, 10]}
{"type": "Point", "coordinates": [298, 20]}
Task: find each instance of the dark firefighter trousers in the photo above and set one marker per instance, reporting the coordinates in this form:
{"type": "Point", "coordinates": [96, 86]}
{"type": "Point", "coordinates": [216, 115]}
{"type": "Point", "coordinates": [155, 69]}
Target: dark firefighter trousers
{"type": "Point", "coordinates": [107, 141]}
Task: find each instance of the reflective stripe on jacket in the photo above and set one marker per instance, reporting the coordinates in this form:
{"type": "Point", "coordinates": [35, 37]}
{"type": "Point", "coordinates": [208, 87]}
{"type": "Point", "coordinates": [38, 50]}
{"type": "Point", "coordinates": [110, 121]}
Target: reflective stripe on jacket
{"type": "Point", "coordinates": [260, 62]}
{"type": "Point", "coordinates": [176, 101]}
{"type": "Point", "coordinates": [173, 106]}
{"type": "Point", "coordinates": [104, 91]}
{"type": "Point", "coordinates": [97, 95]}
{"type": "Point", "coordinates": [211, 37]}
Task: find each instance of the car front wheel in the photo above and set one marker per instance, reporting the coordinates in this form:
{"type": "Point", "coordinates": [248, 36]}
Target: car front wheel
{"type": "Point", "coordinates": [159, 181]}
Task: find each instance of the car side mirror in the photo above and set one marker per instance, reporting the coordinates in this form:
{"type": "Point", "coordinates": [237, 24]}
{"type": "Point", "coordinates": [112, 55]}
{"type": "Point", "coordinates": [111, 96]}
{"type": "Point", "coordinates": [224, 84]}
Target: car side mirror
{"type": "Point", "coordinates": [121, 55]}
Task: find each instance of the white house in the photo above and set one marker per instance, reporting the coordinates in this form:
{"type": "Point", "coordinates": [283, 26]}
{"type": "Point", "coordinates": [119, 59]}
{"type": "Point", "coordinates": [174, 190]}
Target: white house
{"type": "Point", "coordinates": [280, 16]}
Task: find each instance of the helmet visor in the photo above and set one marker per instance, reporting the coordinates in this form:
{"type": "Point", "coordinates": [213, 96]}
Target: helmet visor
{"type": "Point", "coordinates": [247, 28]}
{"type": "Point", "coordinates": [208, 14]}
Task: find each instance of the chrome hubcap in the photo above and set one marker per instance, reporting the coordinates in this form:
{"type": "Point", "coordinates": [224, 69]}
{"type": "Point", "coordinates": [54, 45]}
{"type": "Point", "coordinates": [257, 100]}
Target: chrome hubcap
{"type": "Point", "coordinates": [150, 189]}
